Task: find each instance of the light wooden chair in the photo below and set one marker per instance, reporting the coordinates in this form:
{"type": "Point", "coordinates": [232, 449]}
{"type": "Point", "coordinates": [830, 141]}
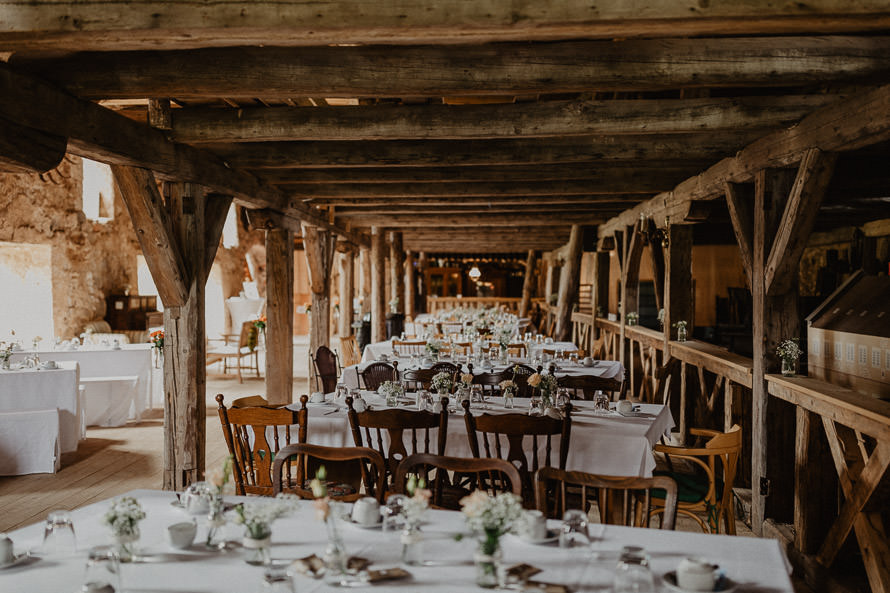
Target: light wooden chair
{"type": "Point", "coordinates": [349, 352]}
{"type": "Point", "coordinates": [620, 500]}
{"type": "Point", "coordinates": [518, 350]}
{"type": "Point", "coordinates": [489, 474]}
{"type": "Point", "coordinates": [296, 464]}
{"type": "Point", "coordinates": [409, 347]}
{"type": "Point", "coordinates": [239, 352]}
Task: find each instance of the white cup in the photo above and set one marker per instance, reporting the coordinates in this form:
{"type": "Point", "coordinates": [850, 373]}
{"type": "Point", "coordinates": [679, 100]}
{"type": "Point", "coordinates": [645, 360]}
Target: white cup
{"type": "Point", "coordinates": [535, 525]}
{"type": "Point", "coordinates": [50, 364]}
{"type": "Point", "coordinates": [6, 550]}
{"type": "Point", "coordinates": [587, 361]}
{"type": "Point", "coordinates": [317, 397]}
{"type": "Point", "coordinates": [181, 535]}
{"type": "Point", "coordinates": [624, 407]}
{"type": "Point", "coordinates": [696, 574]}
{"type": "Point", "coordinates": [366, 511]}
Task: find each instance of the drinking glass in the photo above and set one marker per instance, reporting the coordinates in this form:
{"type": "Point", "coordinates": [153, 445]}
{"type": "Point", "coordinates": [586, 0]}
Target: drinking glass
{"type": "Point", "coordinates": [632, 575]}
{"type": "Point", "coordinates": [393, 516]}
{"type": "Point", "coordinates": [600, 403]}
{"type": "Point", "coordinates": [277, 579]}
{"type": "Point", "coordinates": [476, 396]}
{"type": "Point", "coordinates": [574, 530]}
{"type": "Point", "coordinates": [573, 358]}
{"type": "Point", "coordinates": [102, 572]}
{"type": "Point", "coordinates": [562, 398]}
{"type": "Point", "coordinates": [534, 406]}
{"type": "Point", "coordinates": [58, 534]}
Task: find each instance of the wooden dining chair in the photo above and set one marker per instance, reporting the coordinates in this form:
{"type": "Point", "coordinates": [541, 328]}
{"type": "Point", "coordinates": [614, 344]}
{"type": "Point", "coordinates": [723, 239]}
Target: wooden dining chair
{"type": "Point", "coordinates": [447, 367]}
{"type": "Point", "coordinates": [707, 489]}
{"type": "Point", "coordinates": [418, 378]}
{"type": "Point", "coordinates": [349, 351]}
{"type": "Point", "coordinates": [490, 382]}
{"type": "Point", "coordinates": [376, 373]}
{"type": "Point", "coordinates": [409, 347]}
{"type": "Point", "coordinates": [585, 386]}
{"type": "Point", "coordinates": [489, 474]}
{"type": "Point", "coordinates": [254, 436]}
{"type": "Point", "coordinates": [518, 350]}
{"type": "Point", "coordinates": [296, 465]}
{"type": "Point", "coordinates": [525, 441]}
{"type": "Point", "coordinates": [619, 500]}
{"type": "Point", "coordinates": [385, 431]}
{"type": "Point", "coordinates": [327, 369]}
{"type": "Point", "coordinates": [520, 373]}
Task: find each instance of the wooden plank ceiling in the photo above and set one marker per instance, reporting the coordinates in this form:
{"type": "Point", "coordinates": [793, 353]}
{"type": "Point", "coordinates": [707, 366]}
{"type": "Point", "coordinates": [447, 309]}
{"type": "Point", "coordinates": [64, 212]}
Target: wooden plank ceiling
{"type": "Point", "coordinates": [472, 126]}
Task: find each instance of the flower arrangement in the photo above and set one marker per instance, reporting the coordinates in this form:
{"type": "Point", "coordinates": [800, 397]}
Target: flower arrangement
{"type": "Point", "coordinates": [680, 325]}
{"type": "Point", "coordinates": [491, 516]}
{"type": "Point", "coordinates": [319, 488]}
{"type": "Point", "coordinates": [124, 516]}
{"type": "Point", "coordinates": [442, 382]}
{"type": "Point", "coordinates": [391, 390]}
{"type": "Point", "coordinates": [219, 477]}
{"type": "Point", "coordinates": [157, 339]}
{"type": "Point", "coordinates": [433, 346]}
{"type": "Point", "coordinates": [257, 517]}
{"type": "Point", "coordinates": [35, 342]}
{"type": "Point", "coordinates": [632, 318]}
{"type": "Point", "coordinates": [789, 350]}
{"type": "Point", "coordinates": [5, 352]}
{"type": "Point", "coordinates": [546, 384]}
{"type": "Point", "coordinates": [260, 323]}
{"type": "Point", "coordinates": [467, 379]}
{"type": "Point", "coordinates": [661, 317]}
{"type": "Point", "coordinates": [505, 335]}
{"type": "Point", "coordinates": [419, 501]}
{"type": "Point", "coordinates": [394, 304]}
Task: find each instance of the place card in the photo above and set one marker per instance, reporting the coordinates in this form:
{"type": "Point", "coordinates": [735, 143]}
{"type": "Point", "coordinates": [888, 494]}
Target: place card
{"type": "Point", "coordinates": [388, 574]}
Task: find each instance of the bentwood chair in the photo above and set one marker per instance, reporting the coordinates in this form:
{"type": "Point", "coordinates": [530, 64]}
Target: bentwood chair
{"type": "Point", "coordinates": [295, 466]}
{"type": "Point", "coordinates": [376, 373]}
{"type": "Point", "coordinates": [386, 431]}
{"type": "Point", "coordinates": [327, 369]}
{"type": "Point", "coordinates": [525, 441]}
{"type": "Point", "coordinates": [708, 487]}
{"type": "Point", "coordinates": [489, 474]}
{"type": "Point", "coordinates": [349, 351]}
{"type": "Point", "coordinates": [619, 500]}
{"type": "Point", "coordinates": [254, 436]}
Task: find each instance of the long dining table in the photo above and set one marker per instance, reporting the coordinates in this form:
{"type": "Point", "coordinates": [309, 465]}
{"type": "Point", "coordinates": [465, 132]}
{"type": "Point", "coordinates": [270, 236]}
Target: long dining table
{"type": "Point", "coordinates": [756, 565]}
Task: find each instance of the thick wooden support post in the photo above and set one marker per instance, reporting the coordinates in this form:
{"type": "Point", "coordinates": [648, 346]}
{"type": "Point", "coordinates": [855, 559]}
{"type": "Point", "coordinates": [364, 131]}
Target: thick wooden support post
{"type": "Point", "coordinates": [813, 500]}
{"type": "Point", "coordinates": [568, 285]}
{"type": "Point", "coordinates": [599, 294]}
{"type": "Point", "coordinates": [319, 249]}
{"type": "Point", "coordinates": [378, 285]}
{"type": "Point", "coordinates": [678, 306]}
{"type": "Point", "coordinates": [159, 114]}
{"type": "Point", "coordinates": [347, 292]}
{"type": "Point", "coordinates": [421, 280]}
{"type": "Point", "coordinates": [397, 271]}
{"type": "Point", "coordinates": [630, 247]}
{"type": "Point", "coordinates": [364, 279]}
{"type": "Point", "coordinates": [656, 257]}
{"type": "Point", "coordinates": [410, 284]}
{"type": "Point", "coordinates": [528, 284]}
{"type": "Point", "coordinates": [549, 272]}
{"type": "Point", "coordinates": [279, 316]}
{"type": "Point", "coordinates": [26, 150]}
{"type": "Point", "coordinates": [740, 203]}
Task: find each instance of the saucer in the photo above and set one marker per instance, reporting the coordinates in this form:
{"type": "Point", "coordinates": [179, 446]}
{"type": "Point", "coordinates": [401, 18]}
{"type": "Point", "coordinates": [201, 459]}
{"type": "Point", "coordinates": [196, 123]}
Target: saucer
{"type": "Point", "coordinates": [724, 584]}
{"type": "Point", "coordinates": [376, 525]}
{"type": "Point", "coordinates": [17, 560]}
{"type": "Point", "coordinates": [552, 536]}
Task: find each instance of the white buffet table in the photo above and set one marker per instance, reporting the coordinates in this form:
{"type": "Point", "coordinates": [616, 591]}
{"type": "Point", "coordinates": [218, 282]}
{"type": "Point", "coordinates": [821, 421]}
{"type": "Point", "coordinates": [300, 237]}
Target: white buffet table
{"type": "Point", "coordinates": [119, 384]}
{"type": "Point", "coordinates": [758, 565]}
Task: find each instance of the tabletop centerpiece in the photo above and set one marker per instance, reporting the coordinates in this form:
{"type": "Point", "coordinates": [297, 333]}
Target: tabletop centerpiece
{"type": "Point", "coordinates": [442, 382]}
{"type": "Point", "coordinates": [259, 325]}
{"type": "Point", "coordinates": [413, 509]}
{"type": "Point", "coordinates": [463, 388]}
{"type": "Point", "coordinates": [336, 559]}
{"type": "Point", "coordinates": [490, 517]}
{"type": "Point", "coordinates": [157, 347]}
{"type": "Point", "coordinates": [123, 518]}
{"type": "Point", "coordinates": [217, 480]}
{"type": "Point", "coordinates": [789, 351]}
{"type": "Point", "coordinates": [632, 318]}
{"type": "Point", "coordinates": [681, 330]}
{"type": "Point", "coordinates": [5, 353]}
{"type": "Point", "coordinates": [504, 335]}
{"type": "Point", "coordinates": [257, 518]}
{"type": "Point", "coordinates": [433, 346]}
{"type": "Point", "coordinates": [392, 391]}
{"type": "Point", "coordinates": [546, 385]}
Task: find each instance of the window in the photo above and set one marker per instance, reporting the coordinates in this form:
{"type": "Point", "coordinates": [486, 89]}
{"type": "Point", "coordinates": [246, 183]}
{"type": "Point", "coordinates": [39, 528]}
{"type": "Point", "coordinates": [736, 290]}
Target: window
{"type": "Point", "coordinates": [98, 191]}
{"type": "Point", "coordinates": [230, 229]}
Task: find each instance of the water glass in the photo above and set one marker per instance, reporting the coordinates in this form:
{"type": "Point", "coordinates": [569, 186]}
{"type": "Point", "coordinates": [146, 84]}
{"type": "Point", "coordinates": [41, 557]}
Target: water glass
{"type": "Point", "coordinates": [102, 571]}
{"type": "Point", "coordinates": [58, 534]}
{"type": "Point", "coordinates": [632, 575]}
{"type": "Point", "coordinates": [574, 530]}
{"type": "Point", "coordinates": [393, 513]}
{"type": "Point", "coordinates": [277, 579]}
{"type": "Point", "coordinates": [600, 403]}
{"type": "Point", "coordinates": [562, 398]}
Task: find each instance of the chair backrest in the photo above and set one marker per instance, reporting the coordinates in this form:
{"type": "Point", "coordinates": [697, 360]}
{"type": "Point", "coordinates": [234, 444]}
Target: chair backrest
{"type": "Point", "coordinates": [451, 327]}
{"type": "Point", "coordinates": [244, 337]}
{"type": "Point", "coordinates": [301, 457]}
{"type": "Point", "coordinates": [620, 500]}
{"type": "Point", "coordinates": [490, 382]}
{"type": "Point", "coordinates": [254, 435]}
{"type": "Point", "coordinates": [584, 386]}
{"type": "Point", "coordinates": [446, 367]}
{"type": "Point", "coordinates": [489, 474]}
{"type": "Point", "coordinates": [349, 351]}
{"type": "Point", "coordinates": [326, 369]}
{"type": "Point", "coordinates": [408, 348]}
{"type": "Point", "coordinates": [376, 373]}
{"type": "Point", "coordinates": [503, 436]}
{"type": "Point", "coordinates": [250, 401]}
{"type": "Point", "coordinates": [520, 374]}
{"type": "Point", "coordinates": [385, 431]}
{"type": "Point", "coordinates": [517, 349]}
{"type": "Point", "coordinates": [418, 378]}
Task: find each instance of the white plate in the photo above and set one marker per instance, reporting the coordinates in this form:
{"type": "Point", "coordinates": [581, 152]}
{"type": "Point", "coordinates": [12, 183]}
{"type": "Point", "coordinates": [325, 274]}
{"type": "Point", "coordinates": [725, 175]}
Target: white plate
{"type": "Point", "coordinates": [552, 536]}
{"type": "Point", "coordinates": [376, 525]}
{"type": "Point", "coordinates": [17, 560]}
{"type": "Point", "coordinates": [724, 584]}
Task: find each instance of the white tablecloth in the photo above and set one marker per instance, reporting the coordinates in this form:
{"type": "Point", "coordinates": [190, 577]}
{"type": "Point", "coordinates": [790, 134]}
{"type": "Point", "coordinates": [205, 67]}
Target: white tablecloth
{"type": "Point", "coordinates": [759, 564]}
{"type": "Point", "coordinates": [243, 310]}
{"type": "Point", "coordinates": [102, 362]}
{"type": "Point", "coordinates": [611, 445]}
{"type": "Point", "coordinates": [31, 389]}
{"type": "Point", "coordinates": [29, 442]}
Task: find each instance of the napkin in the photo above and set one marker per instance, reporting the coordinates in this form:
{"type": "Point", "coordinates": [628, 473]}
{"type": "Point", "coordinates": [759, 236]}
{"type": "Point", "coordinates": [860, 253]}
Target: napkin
{"type": "Point", "coordinates": [311, 566]}
{"type": "Point", "coordinates": [387, 574]}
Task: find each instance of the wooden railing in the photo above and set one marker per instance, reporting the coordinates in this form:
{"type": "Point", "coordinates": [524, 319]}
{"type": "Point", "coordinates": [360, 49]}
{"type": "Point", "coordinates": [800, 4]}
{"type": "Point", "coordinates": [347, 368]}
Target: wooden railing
{"type": "Point", "coordinates": [434, 304]}
{"type": "Point", "coordinates": [857, 430]}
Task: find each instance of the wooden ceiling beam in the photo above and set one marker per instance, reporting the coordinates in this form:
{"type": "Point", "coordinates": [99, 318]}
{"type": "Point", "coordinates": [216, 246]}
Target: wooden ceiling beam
{"type": "Point", "coordinates": [466, 188]}
{"type": "Point", "coordinates": [617, 201]}
{"type": "Point", "coordinates": [606, 209]}
{"type": "Point", "coordinates": [517, 68]}
{"type": "Point", "coordinates": [553, 118]}
{"type": "Point", "coordinates": [391, 220]}
{"type": "Point", "coordinates": [121, 25]}
{"type": "Point", "coordinates": [667, 149]}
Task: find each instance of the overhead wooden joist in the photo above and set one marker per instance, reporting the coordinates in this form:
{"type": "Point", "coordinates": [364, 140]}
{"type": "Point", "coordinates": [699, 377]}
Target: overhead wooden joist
{"type": "Point", "coordinates": [100, 134]}
{"type": "Point", "coordinates": [119, 24]}
{"type": "Point", "coordinates": [618, 201]}
{"type": "Point", "coordinates": [847, 124]}
{"type": "Point", "coordinates": [552, 118]}
{"type": "Point", "coordinates": [464, 188]}
{"type": "Point", "coordinates": [515, 68]}
{"type": "Point", "coordinates": [431, 219]}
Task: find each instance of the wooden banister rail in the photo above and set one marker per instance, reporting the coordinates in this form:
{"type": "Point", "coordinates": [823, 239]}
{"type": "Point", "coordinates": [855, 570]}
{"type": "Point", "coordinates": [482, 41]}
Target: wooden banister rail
{"type": "Point", "coordinates": [715, 359]}
{"type": "Point", "coordinates": [857, 428]}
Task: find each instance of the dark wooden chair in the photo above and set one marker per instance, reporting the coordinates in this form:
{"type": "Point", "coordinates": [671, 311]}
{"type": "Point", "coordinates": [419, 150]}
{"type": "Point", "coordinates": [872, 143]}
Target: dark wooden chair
{"type": "Point", "coordinates": [418, 378]}
{"type": "Point", "coordinates": [520, 373]}
{"type": "Point", "coordinates": [327, 369]}
{"type": "Point", "coordinates": [585, 386]}
{"type": "Point", "coordinates": [620, 500]}
{"type": "Point", "coordinates": [384, 431]}
{"type": "Point", "coordinates": [504, 436]}
{"type": "Point", "coordinates": [490, 382]}
{"type": "Point", "coordinates": [376, 373]}
{"type": "Point", "coordinates": [489, 474]}
{"type": "Point", "coordinates": [254, 436]}
{"type": "Point", "coordinates": [295, 464]}
{"type": "Point", "coordinates": [446, 367]}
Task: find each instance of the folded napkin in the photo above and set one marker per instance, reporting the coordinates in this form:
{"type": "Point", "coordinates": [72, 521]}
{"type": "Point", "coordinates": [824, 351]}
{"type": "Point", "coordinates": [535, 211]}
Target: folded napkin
{"type": "Point", "coordinates": [313, 566]}
{"type": "Point", "coordinates": [387, 574]}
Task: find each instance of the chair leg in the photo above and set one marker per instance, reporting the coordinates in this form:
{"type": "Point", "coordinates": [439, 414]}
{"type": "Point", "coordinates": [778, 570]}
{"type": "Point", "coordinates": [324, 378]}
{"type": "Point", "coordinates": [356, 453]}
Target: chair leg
{"type": "Point", "coordinates": [240, 380]}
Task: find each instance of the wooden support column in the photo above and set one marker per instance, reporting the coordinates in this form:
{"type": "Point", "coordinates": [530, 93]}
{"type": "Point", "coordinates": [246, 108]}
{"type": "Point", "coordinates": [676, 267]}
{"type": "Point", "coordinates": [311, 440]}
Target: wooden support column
{"type": "Point", "coordinates": [549, 272]}
{"type": "Point", "coordinates": [410, 285]}
{"type": "Point", "coordinates": [657, 256]}
{"type": "Point", "coordinates": [678, 305]}
{"type": "Point", "coordinates": [630, 250]}
{"type": "Point", "coordinates": [397, 271]}
{"type": "Point", "coordinates": [279, 316]}
{"type": "Point", "coordinates": [785, 206]}
{"type": "Point", "coordinates": [599, 294]}
{"type": "Point", "coordinates": [364, 279]}
{"type": "Point", "coordinates": [378, 285]}
{"type": "Point", "coordinates": [421, 276]}
{"type": "Point", "coordinates": [179, 238]}
{"type": "Point", "coordinates": [528, 284]}
{"type": "Point", "coordinates": [319, 249]}
{"type": "Point", "coordinates": [568, 285]}
{"type": "Point", "coordinates": [347, 292]}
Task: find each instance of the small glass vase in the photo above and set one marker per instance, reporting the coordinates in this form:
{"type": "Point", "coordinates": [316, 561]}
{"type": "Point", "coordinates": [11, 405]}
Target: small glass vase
{"type": "Point", "coordinates": [215, 523]}
{"type": "Point", "coordinates": [681, 334]}
{"type": "Point", "coordinates": [126, 544]}
{"type": "Point", "coordinates": [157, 357]}
{"type": "Point", "coordinates": [257, 552]}
{"type": "Point", "coordinates": [789, 367]}
{"type": "Point", "coordinates": [508, 399]}
{"type": "Point", "coordinates": [489, 561]}
{"type": "Point", "coordinates": [505, 359]}
{"type": "Point", "coordinates": [412, 545]}
{"type": "Point", "coordinates": [4, 364]}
